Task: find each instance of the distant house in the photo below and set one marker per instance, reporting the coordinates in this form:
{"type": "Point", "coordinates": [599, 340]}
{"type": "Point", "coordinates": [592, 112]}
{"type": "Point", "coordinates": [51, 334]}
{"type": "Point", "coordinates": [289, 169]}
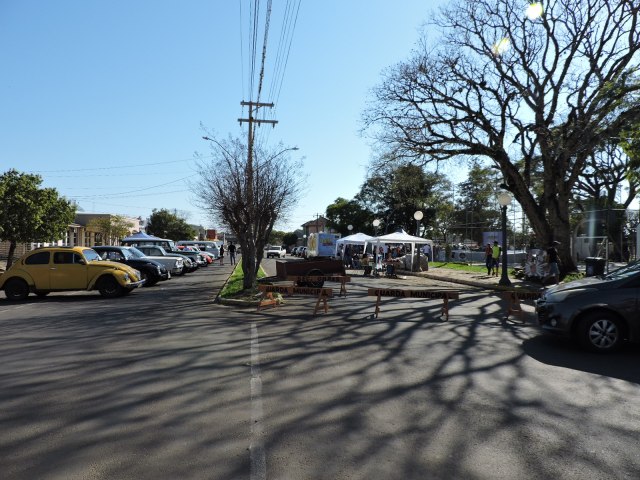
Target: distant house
{"type": "Point", "coordinates": [316, 226]}
{"type": "Point", "coordinates": [88, 237]}
{"type": "Point", "coordinates": [77, 234]}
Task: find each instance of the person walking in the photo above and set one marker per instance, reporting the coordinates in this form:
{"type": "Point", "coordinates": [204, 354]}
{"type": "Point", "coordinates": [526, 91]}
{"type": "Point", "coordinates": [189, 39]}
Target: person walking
{"type": "Point", "coordinates": [553, 267]}
{"type": "Point", "coordinates": [232, 253]}
{"type": "Point", "coordinates": [488, 258]}
{"type": "Point", "coordinates": [221, 254]}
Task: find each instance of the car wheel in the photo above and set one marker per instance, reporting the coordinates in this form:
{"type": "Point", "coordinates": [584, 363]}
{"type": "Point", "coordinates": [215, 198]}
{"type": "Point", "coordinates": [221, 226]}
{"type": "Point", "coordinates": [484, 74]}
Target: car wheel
{"type": "Point", "coordinates": [315, 273]}
{"type": "Point", "coordinates": [150, 280]}
{"type": "Point", "coordinates": [16, 289]}
{"type": "Point", "coordinates": [601, 332]}
{"type": "Point", "coordinates": [109, 287]}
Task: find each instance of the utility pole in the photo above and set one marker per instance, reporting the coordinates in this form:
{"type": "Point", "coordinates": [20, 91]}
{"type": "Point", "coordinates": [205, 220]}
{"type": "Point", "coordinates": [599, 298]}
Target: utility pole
{"type": "Point", "coordinates": [253, 106]}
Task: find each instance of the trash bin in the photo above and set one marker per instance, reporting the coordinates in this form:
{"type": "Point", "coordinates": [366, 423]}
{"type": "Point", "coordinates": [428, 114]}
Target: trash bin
{"type": "Point", "coordinates": [595, 266]}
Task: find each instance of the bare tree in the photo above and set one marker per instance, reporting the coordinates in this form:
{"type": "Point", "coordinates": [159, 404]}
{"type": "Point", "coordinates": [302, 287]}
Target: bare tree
{"type": "Point", "coordinates": [249, 197]}
{"type": "Point", "coordinates": [534, 90]}
{"type": "Point", "coordinates": [604, 173]}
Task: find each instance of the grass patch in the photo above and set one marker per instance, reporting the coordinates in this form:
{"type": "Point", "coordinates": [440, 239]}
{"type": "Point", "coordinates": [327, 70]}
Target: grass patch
{"type": "Point", "coordinates": [569, 277]}
{"type": "Point", "coordinates": [459, 266]}
{"type": "Point", "coordinates": [233, 287]}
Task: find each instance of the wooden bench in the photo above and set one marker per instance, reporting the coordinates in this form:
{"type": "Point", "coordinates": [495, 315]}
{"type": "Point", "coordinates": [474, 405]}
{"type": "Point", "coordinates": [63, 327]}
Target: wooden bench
{"type": "Point", "coordinates": [322, 295]}
{"type": "Point", "coordinates": [445, 295]}
{"type": "Point", "coordinates": [342, 279]}
{"type": "Point", "coordinates": [513, 299]}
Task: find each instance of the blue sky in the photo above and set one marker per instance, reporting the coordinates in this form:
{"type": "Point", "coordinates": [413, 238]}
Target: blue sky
{"type": "Point", "coordinates": [105, 99]}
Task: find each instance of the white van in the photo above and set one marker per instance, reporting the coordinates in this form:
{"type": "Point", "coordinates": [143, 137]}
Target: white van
{"type": "Point", "coordinates": [204, 245]}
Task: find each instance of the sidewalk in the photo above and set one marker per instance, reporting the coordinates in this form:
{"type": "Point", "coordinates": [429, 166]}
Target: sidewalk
{"type": "Point", "coordinates": [474, 279]}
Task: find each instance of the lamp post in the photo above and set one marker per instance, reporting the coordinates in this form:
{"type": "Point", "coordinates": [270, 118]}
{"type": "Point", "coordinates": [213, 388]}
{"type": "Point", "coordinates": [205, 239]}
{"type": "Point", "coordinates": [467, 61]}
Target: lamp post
{"type": "Point", "coordinates": [349, 227]}
{"type": "Point", "coordinates": [376, 224]}
{"type": "Point", "coordinates": [504, 199]}
{"type": "Point", "coordinates": [418, 216]}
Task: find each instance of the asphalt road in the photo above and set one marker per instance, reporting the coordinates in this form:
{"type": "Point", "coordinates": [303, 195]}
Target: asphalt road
{"type": "Point", "coordinates": [164, 384]}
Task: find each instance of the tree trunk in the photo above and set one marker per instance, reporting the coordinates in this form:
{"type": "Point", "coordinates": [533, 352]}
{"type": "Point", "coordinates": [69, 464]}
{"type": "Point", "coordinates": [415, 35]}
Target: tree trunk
{"type": "Point", "coordinates": [249, 267]}
{"type": "Point", "coordinates": [12, 251]}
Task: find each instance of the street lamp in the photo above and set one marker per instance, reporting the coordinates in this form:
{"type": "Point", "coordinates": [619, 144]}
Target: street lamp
{"type": "Point", "coordinates": [418, 216]}
{"type": "Point", "coordinates": [504, 199]}
{"type": "Point", "coordinates": [349, 227]}
{"type": "Point", "coordinates": [376, 224]}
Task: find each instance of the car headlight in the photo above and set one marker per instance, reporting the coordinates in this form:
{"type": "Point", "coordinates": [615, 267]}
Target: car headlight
{"type": "Point", "coordinates": [561, 296]}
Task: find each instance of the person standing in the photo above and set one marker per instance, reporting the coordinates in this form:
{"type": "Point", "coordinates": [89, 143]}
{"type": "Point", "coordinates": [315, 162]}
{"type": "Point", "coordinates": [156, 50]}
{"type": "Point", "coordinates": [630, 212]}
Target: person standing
{"type": "Point", "coordinates": [552, 262]}
{"type": "Point", "coordinates": [488, 258]}
{"type": "Point", "coordinates": [495, 257]}
{"type": "Point", "coordinates": [221, 254]}
{"type": "Point", "coordinates": [232, 253]}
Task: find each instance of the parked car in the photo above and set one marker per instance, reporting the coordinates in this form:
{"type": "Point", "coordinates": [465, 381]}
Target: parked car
{"type": "Point", "coordinates": [599, 312]}
{"type": "Point", "coordinates": [195, 255]}
{"type": "Point", "coordinates": [294, 251]}
{"type": "Point", "coordinates": [57, 269]}
{"type": "Point", "coordinates": [151, 270]}
{"type": "Point", "coordinates": [158, 251]}
{"type": "Point", "coordinates": [208, 246]}
{"type": "Point", "coordinates": [175, 265]}
{"type": "Point", "coordinates": [303, 252]}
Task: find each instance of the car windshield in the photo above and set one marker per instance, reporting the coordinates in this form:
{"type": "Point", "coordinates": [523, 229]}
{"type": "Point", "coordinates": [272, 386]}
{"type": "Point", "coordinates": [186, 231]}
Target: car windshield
{"type": "Point", "coordinates": [624, 272]}
{"type": "Point", "coordinates": [126, 254]}
{"type": "Point", "coordinates": [136, 253]}
{"type": "Point", "coordinates": [91, 255]}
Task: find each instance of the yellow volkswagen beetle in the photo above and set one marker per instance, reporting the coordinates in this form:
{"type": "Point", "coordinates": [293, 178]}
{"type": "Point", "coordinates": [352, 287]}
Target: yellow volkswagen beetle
{"type": "Point", "coordinates": [59, 269]}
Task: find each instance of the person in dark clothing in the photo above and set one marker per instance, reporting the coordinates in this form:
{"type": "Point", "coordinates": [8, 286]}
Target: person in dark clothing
{"type": "Point", "coordinates": [221, 254]}
{"type": "Point", "coordinates": [552, 262]}
{"type": "Point", "coordinates": [488, 258]}
{"type": "Point", "coordinates": [232, 253]}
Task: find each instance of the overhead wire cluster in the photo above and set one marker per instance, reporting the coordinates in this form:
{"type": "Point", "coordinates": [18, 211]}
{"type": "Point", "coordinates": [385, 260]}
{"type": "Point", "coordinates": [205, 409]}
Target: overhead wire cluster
{"type": "Point", "coordinates": [259, 24]}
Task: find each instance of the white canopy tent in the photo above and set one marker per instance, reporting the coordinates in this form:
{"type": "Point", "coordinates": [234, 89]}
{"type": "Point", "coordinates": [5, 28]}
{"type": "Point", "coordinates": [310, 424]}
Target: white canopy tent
{"type": "Point", "coordinates": [355, 239]}
{"type": "Point", "coordinates": [402, 237]}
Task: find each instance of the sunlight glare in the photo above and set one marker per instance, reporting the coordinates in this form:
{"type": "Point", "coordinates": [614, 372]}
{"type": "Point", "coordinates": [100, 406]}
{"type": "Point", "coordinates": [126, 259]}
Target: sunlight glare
{"type": "Point", "coordinates": [534, 11]}
{"type": "Point", "coordinates": [501, 46]}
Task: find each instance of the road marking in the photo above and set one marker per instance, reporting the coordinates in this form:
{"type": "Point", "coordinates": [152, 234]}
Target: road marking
{"type": "Point", "coordinates": [256, 448]}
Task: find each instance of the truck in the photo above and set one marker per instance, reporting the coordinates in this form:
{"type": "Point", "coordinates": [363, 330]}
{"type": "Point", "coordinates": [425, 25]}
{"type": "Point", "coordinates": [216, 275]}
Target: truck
{"type": "Point", "coordinates": [275, 251]}
{"type": "Point", "coordinates": [309, 268]}
{"type": "Point", "coordinates": [322, 245]}
{"type": "Point", "coordinates": [321, 260]}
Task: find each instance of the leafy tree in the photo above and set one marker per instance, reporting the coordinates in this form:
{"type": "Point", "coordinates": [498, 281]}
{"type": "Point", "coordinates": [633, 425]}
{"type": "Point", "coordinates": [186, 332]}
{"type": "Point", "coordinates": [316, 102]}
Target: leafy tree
{"type": "Point", "coordinates": [249, 193]}
{"type": "Point", "coordinates": [110, 228]}
{"type": "Point", "coordinates": [276, 237]}
{"type": "Point", "coordinates": [290, 239]}
{"type": "Point", "coordinates": [342, 213]}
{"type": "Point", "coordinates": [29, 213]}
{"type": "Point", "coordinates": [394, 193]}
{"type": "Point", "coordinates": [163, 223]}
{"type": "Point", "coordinates": [475, 207]}
{"type": "Point", "coordinates": [540, 93]}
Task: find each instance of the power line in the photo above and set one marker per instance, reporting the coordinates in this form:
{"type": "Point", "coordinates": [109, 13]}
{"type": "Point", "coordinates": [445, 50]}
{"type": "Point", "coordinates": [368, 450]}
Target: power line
{"type": "Point", "coordinates": [128, 165]}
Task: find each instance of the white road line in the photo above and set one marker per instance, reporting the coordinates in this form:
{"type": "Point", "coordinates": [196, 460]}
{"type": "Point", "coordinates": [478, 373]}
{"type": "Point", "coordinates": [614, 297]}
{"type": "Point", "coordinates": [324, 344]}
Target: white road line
{"type": "Point", "coordinates": [256, 448]}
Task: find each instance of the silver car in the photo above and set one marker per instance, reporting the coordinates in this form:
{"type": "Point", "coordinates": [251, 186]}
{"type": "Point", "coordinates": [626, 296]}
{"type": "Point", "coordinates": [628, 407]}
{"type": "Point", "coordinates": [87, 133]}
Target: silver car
{"type": "Point", "coordinates": [601, 312]}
